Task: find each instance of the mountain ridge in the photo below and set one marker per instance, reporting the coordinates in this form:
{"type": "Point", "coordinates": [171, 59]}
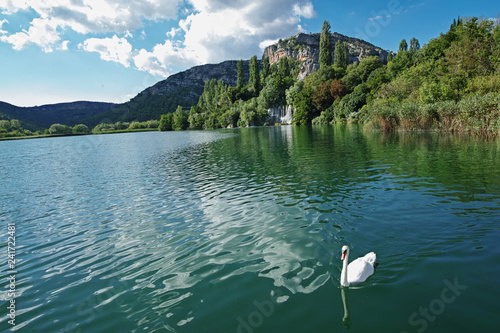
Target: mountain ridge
{"type": "Point", "coordinates": [43, 116]}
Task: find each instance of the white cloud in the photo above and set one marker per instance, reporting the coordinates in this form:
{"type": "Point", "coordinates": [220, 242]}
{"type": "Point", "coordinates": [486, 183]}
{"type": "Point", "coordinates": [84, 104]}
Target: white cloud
{"type": "Point", "coordinates": [11, 6]}
{"type": "Point", "coordinates": [210, 30]}
{"type": "Point", "coordinates": [84, 17]}
{"type": "Point", "coordinates": [173, 32]}
{"type": "Point", "coordinates": [64, 45]}
{"type": "Point", "coordinates": [110, 49]}
{"type": "Point", "coordinates": [305, 10]}
{"type": "Point", "coordinates": [379, 17]}
{"type": "Point", "coordinates": [42, 32]}
{"type": "Point", "coordinates": [267, 42]}
{"type": "Point", "coordinates": [147, 62]}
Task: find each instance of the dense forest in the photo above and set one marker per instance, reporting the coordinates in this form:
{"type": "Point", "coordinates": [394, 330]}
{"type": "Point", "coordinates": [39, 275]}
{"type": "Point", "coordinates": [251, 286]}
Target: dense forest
{"type": "Point", "coordinates": [452, 83]}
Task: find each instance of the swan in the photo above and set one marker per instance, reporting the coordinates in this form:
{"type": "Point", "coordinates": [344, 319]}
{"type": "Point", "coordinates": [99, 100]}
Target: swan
{"type": "Point", "coordinates": [358, 270]}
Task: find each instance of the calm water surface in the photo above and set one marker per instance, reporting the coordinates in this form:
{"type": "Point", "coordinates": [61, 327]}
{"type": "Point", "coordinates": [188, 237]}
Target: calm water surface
{"type": "Point", "coordinates": [241, 231]}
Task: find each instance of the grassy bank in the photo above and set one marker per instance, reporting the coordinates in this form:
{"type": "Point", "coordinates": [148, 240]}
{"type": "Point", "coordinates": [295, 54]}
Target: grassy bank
{"type": "Point", "coordinates": [478, 114]}
{"type": "Point", "coordinates": [62, 135]}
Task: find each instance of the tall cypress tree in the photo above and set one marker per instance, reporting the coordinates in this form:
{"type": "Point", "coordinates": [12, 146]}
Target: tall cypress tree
{"type": "Point", "coordinates": [266, 68]}
{"type": "Point", "coordinates": [414, 45]}
{"type": "Point", "coordinates": [254, 81]}
{"type": "Point", "coordinates": [341, 58]}
{"type": "Point", "coordinates": [239, 79]}
{"type": "Point", "coordinates": [403, 46]}
{"type": "Point", "coordinates": [325, 46]}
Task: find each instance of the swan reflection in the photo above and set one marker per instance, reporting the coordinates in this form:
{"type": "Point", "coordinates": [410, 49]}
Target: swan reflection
{"type": "Point", "coordinates": [347, 317]}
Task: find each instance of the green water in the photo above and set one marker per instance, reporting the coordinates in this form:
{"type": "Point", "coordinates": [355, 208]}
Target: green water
{"type": "Point", "coordinates": [241, 231]}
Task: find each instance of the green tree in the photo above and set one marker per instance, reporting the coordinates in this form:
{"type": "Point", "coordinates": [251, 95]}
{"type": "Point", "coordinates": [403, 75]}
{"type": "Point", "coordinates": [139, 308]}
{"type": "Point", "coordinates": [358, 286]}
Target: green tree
{"type": "Point", "coordinates": [166, 122]}
{"type": "Point", "coordinates": [414, 45]}
{"type": "Point", "coordinates": [403, 46]}
{"type": "Point", "coordinates": [284, 67]}
{"type": "Point", "coordinates": [136, 125]}
{"type": "Point", "coordinates": [180, 119]}
{"type": "Point", "coordinates": [304, 107]}
{"type": "Point", "coordinates": [325, 45]}
{"type": "Point", "coordinates": [80, 129]}
{"type": "Point", "coordinates": [341, 58]}
{"type": "Point", "coordinates": [239, 77]}
{"type": "Point", "coordinates": [266, 68]}
{"type": "Point", "coordinates": [359, 73]}
{"type": "Point", "coordinates": [121, 125]}
{"type": "Point", "coordinates": [254, 81]}
{"type": "Point", "coordinates": [5, 125]}
{"type": "Point", "coordinates": [15, 124]}
{"type": "Point", "coordinates": [60, 129]}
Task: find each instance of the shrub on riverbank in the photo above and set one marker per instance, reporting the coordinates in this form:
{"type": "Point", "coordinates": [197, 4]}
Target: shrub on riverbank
{"type": "Point", "coordinates": [120, 127]}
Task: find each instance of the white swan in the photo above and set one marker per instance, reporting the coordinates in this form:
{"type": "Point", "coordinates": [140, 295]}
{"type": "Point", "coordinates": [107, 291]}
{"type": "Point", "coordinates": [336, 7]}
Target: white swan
{"type": "Point", "coordinates": [358, 270]}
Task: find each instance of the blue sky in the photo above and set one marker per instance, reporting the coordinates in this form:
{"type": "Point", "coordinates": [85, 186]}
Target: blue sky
{"type": "Point", "coordinates": [54, 51]}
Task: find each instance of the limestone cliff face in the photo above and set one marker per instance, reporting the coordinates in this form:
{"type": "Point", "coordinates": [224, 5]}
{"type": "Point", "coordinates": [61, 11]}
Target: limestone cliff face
{"type": "Point", "coordinates": [305, 47]}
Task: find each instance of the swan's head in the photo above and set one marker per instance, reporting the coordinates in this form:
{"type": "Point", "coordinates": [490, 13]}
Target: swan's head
{"type": "Point", "coordinates": [345, 251]}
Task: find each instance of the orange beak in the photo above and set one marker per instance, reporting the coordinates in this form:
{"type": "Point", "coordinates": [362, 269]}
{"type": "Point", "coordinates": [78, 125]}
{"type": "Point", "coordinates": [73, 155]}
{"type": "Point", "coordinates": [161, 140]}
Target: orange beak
{"type": "Point", "coordinates": [343, 255]}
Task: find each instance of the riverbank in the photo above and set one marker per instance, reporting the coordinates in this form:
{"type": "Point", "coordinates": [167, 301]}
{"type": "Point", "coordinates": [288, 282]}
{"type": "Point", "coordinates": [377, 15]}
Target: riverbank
{"type": "Point", "coordinates": [73, 134]}
{"type": "Point", "coordinates": [477, 114]}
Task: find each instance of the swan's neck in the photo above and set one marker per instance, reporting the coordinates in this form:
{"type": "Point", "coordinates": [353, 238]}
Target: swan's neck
{"type": "Point", "coordinates": [343, 275]}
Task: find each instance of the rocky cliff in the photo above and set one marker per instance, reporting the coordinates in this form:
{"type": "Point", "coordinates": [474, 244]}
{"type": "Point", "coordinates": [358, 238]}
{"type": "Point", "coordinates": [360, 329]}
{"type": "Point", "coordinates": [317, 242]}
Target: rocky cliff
{"type": "Point", "coordinates": [305, 48]}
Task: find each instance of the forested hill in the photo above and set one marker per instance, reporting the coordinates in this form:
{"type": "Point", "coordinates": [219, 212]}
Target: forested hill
{"type": "Point", "coordinates": [182, 89]}
{"type": "Point", "coordinates": [41, 117]}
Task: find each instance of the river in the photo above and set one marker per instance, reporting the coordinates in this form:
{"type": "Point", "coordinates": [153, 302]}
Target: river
{"type": "Point", "coordinates": [241, 230]}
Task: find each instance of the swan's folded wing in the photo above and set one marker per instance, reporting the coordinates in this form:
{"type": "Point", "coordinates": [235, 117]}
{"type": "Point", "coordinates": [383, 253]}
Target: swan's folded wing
{"type": "Point", "coordinates": [370, 258]}
{"type": "Point", "coordinates": [359, 270]}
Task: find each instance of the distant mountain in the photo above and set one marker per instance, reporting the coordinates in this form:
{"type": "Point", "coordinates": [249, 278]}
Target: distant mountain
{"type": "Point", "coordinates": [41, 117]}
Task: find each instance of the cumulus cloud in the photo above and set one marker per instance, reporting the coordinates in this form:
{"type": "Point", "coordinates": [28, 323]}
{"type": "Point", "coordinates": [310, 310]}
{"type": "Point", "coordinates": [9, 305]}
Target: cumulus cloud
{"type": "Point", "coordinates": [147, 62]}
{"type": "Point", "coordinates": [42, 32]}
{"type": "Point", "coordinates": [306, 10]}
{"type": "Point", "coordinates": [208, 31]}
{"type": "Point", "coordinates": [110, 49]}
{"type": "Point", "coordinates": [84, 17]}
